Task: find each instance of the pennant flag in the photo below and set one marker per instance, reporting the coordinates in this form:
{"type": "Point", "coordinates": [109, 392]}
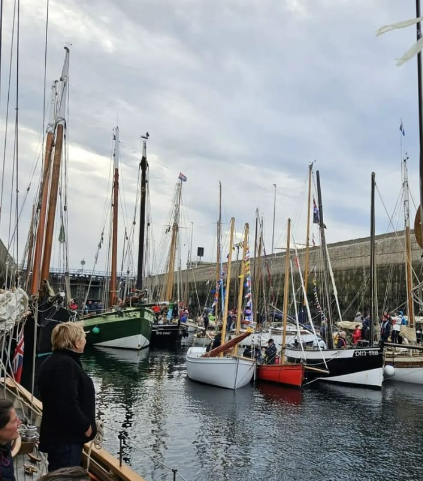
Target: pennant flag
{"type": "Point", "coordinates": [182, 177]}
{"type": "Point", "coordinates": [18, 356]}
{"type": "Point", "coordinates": [402, 130]}
{"type": "Point", "coordinates": [316, 217]}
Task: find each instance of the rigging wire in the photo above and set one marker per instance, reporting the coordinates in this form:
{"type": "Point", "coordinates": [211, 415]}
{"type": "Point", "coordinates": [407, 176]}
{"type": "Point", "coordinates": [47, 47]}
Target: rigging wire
{"type": "Point", "coordinates": [7, 112]}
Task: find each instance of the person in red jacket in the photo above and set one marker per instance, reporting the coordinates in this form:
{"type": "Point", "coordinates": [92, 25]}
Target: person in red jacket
{"type": "Point", "coordinates": [356, 334]}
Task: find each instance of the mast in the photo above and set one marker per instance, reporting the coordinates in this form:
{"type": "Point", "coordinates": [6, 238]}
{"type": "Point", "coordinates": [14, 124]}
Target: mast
{"type": "Point", "coordinates": [228, 283]}
{"type": "Point", "coordinates": [173, 245]}
{"type": "Point", "coordinates": [218, 259]}
{"type": "Point", "coordinates": [325, 262]}
{"type": "Point", "coordinates": [141, 242]}
{"type": "Point", "coordinates": [286, 291]}
{"type": "Point", "coordinates": [408, 267]}
{"type": "Point", "coordinates": [113, 275]}
{"type": "Point", "coordinates": [274, 217]}
{"type": "Point", "coordinates": [35, 281]}
{"type": "Point", "coordinates": [55, 175]}
{"type": "Point", "coordinates": [307, 248]}
{"type": "Point", "coordinates": [241, 284]}
{"type": "Point", "coordinates": [420, 104]}
{"type": "Point", "coordinates": [373, 311]}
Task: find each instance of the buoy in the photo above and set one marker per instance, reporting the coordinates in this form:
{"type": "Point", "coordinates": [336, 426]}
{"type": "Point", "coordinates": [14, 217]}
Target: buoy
{"type": "Point", "coordinates": [96, 330]}
{"type": "Point", "coordinates": [389, 370]}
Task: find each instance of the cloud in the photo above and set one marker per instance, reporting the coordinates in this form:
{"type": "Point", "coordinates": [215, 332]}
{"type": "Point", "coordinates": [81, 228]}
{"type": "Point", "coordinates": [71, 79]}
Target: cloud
{"type": "Point", "coordinates": [244, 92]}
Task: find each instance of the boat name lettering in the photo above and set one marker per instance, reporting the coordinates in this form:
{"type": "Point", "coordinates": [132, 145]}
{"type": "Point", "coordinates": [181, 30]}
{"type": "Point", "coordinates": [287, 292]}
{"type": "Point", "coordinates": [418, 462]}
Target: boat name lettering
{"type": "Point", "coordinates": [163, 333]}
{"type": "Point", "coordinates": [365, 353]}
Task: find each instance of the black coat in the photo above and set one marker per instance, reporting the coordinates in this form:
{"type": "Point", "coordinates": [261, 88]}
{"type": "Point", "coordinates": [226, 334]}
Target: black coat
{"type": "Point", "coordinates": [6, 463]}
{"type": "Point", "coordinates": [68, 397]}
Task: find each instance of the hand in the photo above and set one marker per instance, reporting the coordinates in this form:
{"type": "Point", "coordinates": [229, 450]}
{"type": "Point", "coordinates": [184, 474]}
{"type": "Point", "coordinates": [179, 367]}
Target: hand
{"type": "Point", "coordinates": [88, 432]}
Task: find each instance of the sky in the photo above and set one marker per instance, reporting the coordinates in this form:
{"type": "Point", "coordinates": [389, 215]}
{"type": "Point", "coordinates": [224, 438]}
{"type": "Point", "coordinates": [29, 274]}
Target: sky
{"type": "Point", "coordinates": [245, 92]}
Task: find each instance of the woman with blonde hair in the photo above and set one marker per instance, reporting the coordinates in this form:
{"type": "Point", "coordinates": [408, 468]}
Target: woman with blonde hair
{"type": "Point", "coordinates": [68, 397]}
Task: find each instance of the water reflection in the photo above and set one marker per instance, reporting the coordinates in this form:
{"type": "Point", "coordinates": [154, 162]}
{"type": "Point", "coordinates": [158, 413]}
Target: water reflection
{"type": "Point", "coordinates": [262, 431]}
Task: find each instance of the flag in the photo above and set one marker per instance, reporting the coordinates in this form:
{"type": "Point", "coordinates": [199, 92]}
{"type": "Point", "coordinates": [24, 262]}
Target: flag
{"type": "Point", "coordinates": [18, 356]}
{"type": "Point", "coordinates": [182, 177]}
{"type": "Point", "coordinates": [402, 130]}
{"type": "Point", "coordinates": [316, 217]}
{"type": "Point", "coordinates": [313, 241]}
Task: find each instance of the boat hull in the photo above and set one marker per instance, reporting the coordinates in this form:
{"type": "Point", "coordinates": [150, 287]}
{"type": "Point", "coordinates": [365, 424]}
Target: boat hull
{"type": "Point", "coordinates": [406, 369]}
{"type": "Point", "coordinates": [166, 335]}
{"type": "Point", "coordinates": [127, 329]}
{"type": "Point", "coordinates": [287, 374]}
{"type": "Point", "coordinates": [361, 367]}
{"type": "Point", "coordinates": [227, 372]}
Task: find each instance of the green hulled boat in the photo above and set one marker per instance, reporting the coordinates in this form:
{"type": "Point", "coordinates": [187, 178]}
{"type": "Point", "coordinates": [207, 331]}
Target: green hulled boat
{"type": "Point", "coordinates": [127, 328]}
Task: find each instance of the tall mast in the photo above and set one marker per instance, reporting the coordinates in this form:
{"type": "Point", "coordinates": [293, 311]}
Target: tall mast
{"type": "Point", "coordinates": [325, 262]}
{"type": "Point", "coordinates": [286, 291]}
{"type": "Point", "coordinates": [307, 248]}
{"type": "Point", "coordinates": [420, 105]}
{"type": "Point", "coordinates": [55, 175]}
{"type": "Point", "coordinates": [141, 242]}
{"type": "Point", "coordinates": [241, 284]}
{"type": "Point", "coordinates": [408, 267]}
{"type": "Point", "coordinates": [218, 246]}
{"type": "Point", "coordinates": [113, 274]}
{"type": "Point", "coordinates": [274, 218]}
{"type": "Point", "coordinates": [228, 282]}
{"type": "Point", "coordinates": [173, 245]}
{"type": "Point", "coordinates": [373, 311]}
{"type": "Point", "coordinates": [35, 281]}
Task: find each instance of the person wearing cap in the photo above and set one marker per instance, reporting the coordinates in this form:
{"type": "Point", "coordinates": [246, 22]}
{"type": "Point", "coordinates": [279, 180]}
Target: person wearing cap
{"type": "Point", "coordinates": [270, 352]}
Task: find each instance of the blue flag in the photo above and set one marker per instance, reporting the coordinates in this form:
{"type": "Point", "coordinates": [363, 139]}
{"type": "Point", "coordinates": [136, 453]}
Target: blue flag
{"type": "Point", "coordinates": [402, 130]}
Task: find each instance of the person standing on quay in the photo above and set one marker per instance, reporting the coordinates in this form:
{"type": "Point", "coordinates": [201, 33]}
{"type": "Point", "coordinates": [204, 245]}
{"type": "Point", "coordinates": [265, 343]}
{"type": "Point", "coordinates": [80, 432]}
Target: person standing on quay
{"type": "Point", "coordinates": [9, 423]}
{"type": "Point", "coordinates": [68, 397]}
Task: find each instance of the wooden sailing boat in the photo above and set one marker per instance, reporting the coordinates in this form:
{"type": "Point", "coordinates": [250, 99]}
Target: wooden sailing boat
{"type": "Point", "coordinates": [291, 374]}
{"type": "Point", "coordinates": [353, 366]}
{"type": "Point", "coordinates": [227, 371]}
{"type": "Point", "coordinates": [123, 327]}
{"type": "Point", "coordinates": [169, 333]}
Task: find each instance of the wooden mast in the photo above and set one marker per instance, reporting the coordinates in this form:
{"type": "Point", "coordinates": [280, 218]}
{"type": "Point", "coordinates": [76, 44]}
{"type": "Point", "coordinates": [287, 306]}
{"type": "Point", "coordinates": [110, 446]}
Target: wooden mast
{"type": "Point", "coordinates": [173, 244]}
{"type": "Point", "coordinates": [35, 281]}
{"type": "Point", "coordinates": [322, 228]}
{"type": "Point", "coordinates": [143, 203]}
{"type": "Point", "coordinates": [228, 283]}
{"type": "Point", "coordinates": [113, 273]}
{"type": "Point", "coordinates": [286, 291]}
{"type": "Point", "coordinates": [60, 124]}
{"type": "Point", "coordinates": [218, 259]}
{"type": "Point", "coordinates": [408, 267]}
{"type": "Point", "coordinates": [241, 284]}
{"type": "Point", "coordinates": [307, 247]}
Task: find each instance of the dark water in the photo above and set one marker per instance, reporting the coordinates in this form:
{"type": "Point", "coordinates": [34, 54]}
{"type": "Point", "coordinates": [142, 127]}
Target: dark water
{"type": "Point", "coordinates": [261, 432]}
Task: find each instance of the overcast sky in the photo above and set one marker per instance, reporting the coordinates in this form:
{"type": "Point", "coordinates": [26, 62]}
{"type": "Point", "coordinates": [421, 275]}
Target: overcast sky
{"type": "Point", "coordinates": [246, 92]}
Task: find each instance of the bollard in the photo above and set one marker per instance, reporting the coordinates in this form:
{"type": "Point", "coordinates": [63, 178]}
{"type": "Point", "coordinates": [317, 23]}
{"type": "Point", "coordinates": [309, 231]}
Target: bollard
{"type": "Point", "coordinates": [120, 449]}
{"type": "Point", "coordinates": [174, 474]}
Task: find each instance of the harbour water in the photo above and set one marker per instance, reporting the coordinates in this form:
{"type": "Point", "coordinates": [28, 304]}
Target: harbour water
{"type": "Point", "coordinates": [263, 431]}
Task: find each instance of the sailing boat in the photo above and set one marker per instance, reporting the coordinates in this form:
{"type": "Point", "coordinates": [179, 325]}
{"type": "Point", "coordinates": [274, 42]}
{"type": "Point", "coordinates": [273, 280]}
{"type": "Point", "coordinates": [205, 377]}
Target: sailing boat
{"type": "Point", "coordinates": [284, 373]}
{"type": "Point", "coordinates": [354, 366]}
{"type": "Point", "coordinates": [120, 327]}
{"type": "Point", "coordinates": [227, 371]}
{"type": "Point", "coordinates": [170, 332]}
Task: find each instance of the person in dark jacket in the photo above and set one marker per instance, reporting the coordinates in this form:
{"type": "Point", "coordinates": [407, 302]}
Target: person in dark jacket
{"type": "Point", "coordinates": [9, 423]}
{"type": "Point", "coordinates": [68, 397]}
{"type": "Point", "coordinates": [270, 352]}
